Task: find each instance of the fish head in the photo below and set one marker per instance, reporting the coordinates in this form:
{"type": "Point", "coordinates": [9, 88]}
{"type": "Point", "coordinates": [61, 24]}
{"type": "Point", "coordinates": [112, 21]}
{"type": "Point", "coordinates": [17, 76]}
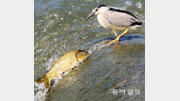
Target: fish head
{"type": "Point", "coordinates": [81, 55]}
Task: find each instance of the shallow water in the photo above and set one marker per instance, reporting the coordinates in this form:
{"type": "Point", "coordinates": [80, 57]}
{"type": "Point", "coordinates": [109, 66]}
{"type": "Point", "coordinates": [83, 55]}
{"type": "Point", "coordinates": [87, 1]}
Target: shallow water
{"type": "Point", "coordinates": [60, 27]}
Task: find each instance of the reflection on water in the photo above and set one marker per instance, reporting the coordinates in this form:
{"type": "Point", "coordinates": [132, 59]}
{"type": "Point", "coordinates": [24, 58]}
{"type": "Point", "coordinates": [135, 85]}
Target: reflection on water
{"type": "Point", "coordinates": [60, 27]}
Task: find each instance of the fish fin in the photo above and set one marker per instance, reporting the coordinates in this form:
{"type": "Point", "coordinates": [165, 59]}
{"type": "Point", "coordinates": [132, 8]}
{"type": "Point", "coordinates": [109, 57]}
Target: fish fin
{"type": "Point", "coordinates": [46, 83]}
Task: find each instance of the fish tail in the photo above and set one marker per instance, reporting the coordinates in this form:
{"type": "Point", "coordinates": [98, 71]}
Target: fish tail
{"type": "Point", "coordinates": [41, 79]}
{"type": "Point", "coordinates": [45, 80]}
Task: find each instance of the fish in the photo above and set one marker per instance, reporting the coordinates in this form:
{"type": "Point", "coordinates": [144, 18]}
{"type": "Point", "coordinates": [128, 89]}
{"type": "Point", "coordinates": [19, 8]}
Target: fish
{"type": "Point", "coordinates": [63, 64]}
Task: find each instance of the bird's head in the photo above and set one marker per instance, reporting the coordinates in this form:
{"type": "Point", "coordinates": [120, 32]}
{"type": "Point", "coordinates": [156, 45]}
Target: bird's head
{"type": "Point", "coordinates": [95, 11]}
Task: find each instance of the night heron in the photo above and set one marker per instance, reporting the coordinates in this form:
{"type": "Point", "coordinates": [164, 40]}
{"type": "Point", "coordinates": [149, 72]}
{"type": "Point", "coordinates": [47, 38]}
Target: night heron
{"type": "Point", "coordinates": [115, 19]}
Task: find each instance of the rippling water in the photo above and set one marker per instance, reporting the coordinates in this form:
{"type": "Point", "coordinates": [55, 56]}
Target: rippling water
{"type": "Point", "coordinates": [60, 27]}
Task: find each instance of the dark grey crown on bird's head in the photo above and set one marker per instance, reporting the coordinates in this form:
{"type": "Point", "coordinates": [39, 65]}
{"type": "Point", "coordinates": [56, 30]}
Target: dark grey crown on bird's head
{"type": "Point", "coordinates": [101, 5]}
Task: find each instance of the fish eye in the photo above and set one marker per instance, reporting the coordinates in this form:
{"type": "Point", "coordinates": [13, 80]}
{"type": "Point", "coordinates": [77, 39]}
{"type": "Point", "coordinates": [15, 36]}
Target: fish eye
{"type": "Point", "coordinates": [96, 10]}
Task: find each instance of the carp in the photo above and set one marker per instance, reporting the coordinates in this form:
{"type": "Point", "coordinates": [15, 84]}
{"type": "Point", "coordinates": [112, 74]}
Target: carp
{"type": "Point", "coordinates": [63, 64]}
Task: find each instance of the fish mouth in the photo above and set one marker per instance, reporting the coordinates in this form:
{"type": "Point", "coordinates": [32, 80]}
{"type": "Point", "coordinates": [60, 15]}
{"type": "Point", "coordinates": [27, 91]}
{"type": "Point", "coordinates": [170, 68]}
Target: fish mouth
{"type": "Point", "coordinates": [81, 55]}
{"type": "Point", "coordinates": [90, 15]}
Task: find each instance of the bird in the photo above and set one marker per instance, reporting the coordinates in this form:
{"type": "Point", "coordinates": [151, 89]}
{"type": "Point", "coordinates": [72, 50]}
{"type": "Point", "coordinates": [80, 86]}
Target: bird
{"type": "Point", "coordinates": [116, 19]}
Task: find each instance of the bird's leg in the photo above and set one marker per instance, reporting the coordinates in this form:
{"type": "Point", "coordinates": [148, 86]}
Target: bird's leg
{"type": "Point", "coordinates": [115, 33]}
{"type": "Point", "coordinates": [117, 38]}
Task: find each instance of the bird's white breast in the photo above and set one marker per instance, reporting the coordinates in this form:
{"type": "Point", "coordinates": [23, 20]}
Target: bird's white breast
{"type": "Point", "coordinates": [101, 17]}
{"type": "Point", "coordinates": [103, 21]}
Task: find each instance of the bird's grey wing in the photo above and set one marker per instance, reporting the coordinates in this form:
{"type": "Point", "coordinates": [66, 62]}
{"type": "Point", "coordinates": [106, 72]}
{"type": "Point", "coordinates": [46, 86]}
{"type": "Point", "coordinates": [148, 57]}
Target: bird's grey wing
{"type": "Point", "coordinates": [120, 18]}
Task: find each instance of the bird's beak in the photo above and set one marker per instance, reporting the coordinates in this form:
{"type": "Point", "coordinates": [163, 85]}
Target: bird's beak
{"type": "Point", "coordinates": [90, 15]}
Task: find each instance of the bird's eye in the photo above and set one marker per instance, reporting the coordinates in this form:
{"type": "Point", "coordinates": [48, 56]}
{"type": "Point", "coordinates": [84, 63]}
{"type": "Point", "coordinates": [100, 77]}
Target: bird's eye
{"type": "Point", "coordinates": [96, 10]}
